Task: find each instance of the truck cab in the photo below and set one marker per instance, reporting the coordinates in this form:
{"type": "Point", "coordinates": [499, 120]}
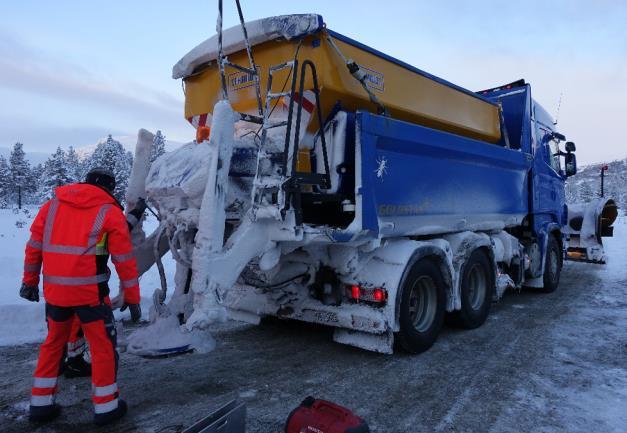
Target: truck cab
{"type": "Point", "coordinates": [528, 127]}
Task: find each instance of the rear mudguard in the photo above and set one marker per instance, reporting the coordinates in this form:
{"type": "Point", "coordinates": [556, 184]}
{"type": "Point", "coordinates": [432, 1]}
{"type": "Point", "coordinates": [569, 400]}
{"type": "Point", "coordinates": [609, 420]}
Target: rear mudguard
{"type": "Point", "coordinates": [462, 246]}
{"type": "Point", "coordinates": [388, 266]}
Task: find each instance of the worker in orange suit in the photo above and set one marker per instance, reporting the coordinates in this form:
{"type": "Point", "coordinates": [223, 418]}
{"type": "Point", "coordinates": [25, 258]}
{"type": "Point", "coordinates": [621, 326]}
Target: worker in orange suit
{"type": "Point", "coordinates": [75, 363]}
{"type": "Point", "coordinates": [72, 236]}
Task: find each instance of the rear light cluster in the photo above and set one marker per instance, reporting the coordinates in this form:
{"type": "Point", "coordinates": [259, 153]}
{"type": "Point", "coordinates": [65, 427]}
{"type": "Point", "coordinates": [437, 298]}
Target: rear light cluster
{"type": "Point", "coordinates": [376, 295]}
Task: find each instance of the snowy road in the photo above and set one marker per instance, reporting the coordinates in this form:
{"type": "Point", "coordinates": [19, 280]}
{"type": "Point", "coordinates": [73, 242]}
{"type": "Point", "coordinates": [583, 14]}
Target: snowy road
{"type": "Point", "coordinates": [542, 363]}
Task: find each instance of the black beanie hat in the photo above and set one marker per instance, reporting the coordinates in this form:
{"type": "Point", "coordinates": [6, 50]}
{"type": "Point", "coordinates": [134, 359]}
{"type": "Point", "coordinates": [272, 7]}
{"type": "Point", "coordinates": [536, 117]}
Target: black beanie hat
{"type": "Point", "coordinates": [102, 177]}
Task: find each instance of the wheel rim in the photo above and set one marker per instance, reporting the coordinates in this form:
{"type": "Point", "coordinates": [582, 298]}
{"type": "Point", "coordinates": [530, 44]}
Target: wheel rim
{"type": "Point", "coordinates": [423, 303]}
{"type": "Point", "coordinates": [476, 286]}
{"type": "Point", "coordinates": [553, 264]}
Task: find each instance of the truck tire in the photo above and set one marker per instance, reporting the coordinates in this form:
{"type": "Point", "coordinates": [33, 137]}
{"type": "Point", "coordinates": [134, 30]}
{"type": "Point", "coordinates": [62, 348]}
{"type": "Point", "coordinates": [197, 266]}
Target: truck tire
{"type": "Point", "coordinates": [421, 312]}
{"type": "Point", "coordinates": [477, 289]}
{"type": "Point", "coordinates": [552, 265]}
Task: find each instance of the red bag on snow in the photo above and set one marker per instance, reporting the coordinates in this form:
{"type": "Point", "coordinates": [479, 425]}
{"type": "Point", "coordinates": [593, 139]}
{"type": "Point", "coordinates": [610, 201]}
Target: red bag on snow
{"type": "Point", "coordinates": [321, 416]}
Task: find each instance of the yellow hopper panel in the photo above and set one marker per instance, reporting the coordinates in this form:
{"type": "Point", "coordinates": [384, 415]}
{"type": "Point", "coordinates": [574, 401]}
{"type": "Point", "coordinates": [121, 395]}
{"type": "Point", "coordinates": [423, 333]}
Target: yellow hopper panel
{"type": "Point", "coordinates": [408, 93]}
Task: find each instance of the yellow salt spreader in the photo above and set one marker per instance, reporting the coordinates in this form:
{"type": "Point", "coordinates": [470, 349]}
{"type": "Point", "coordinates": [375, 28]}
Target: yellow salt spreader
{"type": "Point", "coordinates": [349, 75]}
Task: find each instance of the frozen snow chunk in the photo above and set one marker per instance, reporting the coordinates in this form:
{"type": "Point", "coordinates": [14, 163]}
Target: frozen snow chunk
{"type": "Point", "coordinates": [166, 334]}
{"type": "Point", "coordinates": [181, 174]}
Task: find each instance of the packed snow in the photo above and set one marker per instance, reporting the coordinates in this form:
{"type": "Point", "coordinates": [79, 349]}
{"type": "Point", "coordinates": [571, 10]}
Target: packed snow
{"type": "Point", "coordinates": [259, 31]}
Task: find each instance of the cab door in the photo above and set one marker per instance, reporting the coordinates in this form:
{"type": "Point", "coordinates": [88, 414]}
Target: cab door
{"type": "Point", "coordinates": [548, 181]}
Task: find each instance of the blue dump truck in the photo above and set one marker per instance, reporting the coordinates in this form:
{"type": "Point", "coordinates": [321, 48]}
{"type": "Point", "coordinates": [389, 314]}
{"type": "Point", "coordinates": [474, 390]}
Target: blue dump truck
{"type": "Point", "coordinates": [355, 191]}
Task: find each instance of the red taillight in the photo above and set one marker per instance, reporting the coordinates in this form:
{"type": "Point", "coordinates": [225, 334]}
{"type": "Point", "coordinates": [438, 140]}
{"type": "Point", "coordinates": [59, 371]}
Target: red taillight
{"type": "Point", "coordinates": [378, 295]}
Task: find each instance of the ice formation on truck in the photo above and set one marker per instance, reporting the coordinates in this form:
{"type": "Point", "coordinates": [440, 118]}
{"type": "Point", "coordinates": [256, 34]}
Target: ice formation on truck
{"type": "Point", "coordinates": [332, 183]}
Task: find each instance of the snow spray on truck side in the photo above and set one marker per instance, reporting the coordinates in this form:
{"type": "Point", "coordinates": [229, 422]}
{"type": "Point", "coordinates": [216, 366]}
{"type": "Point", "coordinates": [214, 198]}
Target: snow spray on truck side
{"type": "Point", "coordinates": [332, 183]}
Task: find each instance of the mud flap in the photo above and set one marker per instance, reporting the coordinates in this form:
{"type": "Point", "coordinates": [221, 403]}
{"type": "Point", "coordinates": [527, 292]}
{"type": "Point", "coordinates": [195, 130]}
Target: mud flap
{"type": "Point", "coordinates": [382, 343]}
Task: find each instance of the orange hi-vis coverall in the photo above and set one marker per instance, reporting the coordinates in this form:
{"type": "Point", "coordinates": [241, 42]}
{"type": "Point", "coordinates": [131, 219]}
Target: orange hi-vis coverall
{"type": "Point", "coordinates": [73, 235]}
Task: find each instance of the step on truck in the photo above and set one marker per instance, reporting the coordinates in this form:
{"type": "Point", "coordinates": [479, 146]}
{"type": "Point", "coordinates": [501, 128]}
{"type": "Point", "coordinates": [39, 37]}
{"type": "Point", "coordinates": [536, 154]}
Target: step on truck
{"type": "Point", "coordinates": [331, 183]}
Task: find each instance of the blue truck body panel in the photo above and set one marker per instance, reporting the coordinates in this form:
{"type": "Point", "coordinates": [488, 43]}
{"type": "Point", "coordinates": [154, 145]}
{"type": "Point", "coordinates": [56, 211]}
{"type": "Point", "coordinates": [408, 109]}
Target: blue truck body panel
{"type": "Point", "coordinates": [417, 181]}
{"type": "Point", "coordinates": [421, 181]}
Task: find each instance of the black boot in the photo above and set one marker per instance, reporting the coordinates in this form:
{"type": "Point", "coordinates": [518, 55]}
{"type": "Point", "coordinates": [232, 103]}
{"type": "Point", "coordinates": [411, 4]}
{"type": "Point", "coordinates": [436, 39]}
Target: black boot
{"type": "Point", "coordinates": [114, 415]}
{"type": "Point", "coordinates": [76, 366]}
{"type": "Point", "coordinates": [44, 413]}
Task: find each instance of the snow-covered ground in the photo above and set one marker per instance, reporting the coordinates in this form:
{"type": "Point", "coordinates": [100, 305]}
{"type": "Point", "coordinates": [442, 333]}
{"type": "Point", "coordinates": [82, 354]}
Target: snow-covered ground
{"type": "Point", "coordinates": [23, 321]}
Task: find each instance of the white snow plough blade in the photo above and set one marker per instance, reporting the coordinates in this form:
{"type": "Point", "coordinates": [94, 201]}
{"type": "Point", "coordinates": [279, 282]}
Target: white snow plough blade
{"type": "Point", "coordinates": [588, 224]}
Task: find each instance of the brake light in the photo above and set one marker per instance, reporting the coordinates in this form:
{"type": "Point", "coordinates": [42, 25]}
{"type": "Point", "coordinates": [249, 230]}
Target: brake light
{"type": "Point", "coordinates": [377, 295]}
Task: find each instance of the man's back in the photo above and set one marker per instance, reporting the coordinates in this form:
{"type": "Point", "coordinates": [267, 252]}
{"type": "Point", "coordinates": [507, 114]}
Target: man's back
{"type": "Point", "coordinates": [76, 231]}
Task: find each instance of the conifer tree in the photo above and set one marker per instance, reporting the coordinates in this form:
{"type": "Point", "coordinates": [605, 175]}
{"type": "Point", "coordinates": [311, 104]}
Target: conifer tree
{"type": "Point", "coordinates": [585, 192]}
{"type": "Point", "coordinates": [22, 181]}
{"type": "Point", "coordinates": [74, 166]}
{"type": "Point", "coordinates": [158, 146]}
{"type": "Point", "coordinates": [55, 174]}
{"type": "Point", "coordinates": [111, 155]}
{"type": "Point", "coordinates": [5, 182]}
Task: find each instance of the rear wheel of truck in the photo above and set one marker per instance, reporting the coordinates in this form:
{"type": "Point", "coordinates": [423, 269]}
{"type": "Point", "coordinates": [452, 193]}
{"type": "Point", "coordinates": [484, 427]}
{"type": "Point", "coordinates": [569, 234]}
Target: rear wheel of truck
{"type": "Point", "coordinates": [477, 288]}
{"type": "Point", "coordinates": [552, 265]}
{"type": "Point", "coordinates": [423, 301]}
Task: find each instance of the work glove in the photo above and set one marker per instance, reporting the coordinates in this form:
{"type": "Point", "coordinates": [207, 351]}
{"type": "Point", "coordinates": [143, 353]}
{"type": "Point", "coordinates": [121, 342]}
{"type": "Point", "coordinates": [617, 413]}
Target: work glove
{"type": "Point", "coordinates": [141, 205]}
{"type": "Point", "coordinates": [136, 214]}
{"type": "Point", "coordinates": [135, 309]}
{"type": "Point", "coordinates": [139, 209]}
{"type": "Point", "coordinates": [29, 293]}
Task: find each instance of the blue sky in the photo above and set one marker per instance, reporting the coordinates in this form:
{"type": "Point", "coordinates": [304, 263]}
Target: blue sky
{"type": "Point", "coordinates": [73, 71]}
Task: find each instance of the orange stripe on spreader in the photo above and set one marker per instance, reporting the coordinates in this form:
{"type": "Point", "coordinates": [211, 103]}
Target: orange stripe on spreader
{"type": "Point", "coordinates": [306, 103]}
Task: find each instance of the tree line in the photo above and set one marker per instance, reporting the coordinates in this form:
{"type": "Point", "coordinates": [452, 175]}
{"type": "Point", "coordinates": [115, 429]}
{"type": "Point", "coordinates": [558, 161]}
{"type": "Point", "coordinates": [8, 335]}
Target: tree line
{"type": "Point", "coordinates": [24, 184]}
{"type": "Point", "coordinates": [586, 185]}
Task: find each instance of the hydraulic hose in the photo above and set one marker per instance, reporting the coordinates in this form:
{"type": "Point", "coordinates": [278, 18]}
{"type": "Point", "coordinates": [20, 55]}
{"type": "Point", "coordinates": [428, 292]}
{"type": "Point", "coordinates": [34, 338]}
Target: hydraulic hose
{"type": "Point", "coordinates": [357, 73]}
{"type": "Point", "coordinates": [155, 250]}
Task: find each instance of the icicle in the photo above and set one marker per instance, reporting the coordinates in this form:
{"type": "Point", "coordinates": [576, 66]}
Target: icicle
{"type": "Point", "coordinates": [210, 237]}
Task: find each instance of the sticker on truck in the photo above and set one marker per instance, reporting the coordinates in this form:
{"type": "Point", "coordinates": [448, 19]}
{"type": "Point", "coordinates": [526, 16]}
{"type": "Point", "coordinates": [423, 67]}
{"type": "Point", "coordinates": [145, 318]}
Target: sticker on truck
{"type": "Point", "coordinates": [239, 80]}
{"type": "Point", "coordinates": [374, 79]}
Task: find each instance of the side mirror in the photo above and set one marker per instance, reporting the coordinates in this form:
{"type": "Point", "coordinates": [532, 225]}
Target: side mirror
{"type": "Point", "coordinates": [571, 164]}
{"type": "Point", "coordinates": [570, 146]}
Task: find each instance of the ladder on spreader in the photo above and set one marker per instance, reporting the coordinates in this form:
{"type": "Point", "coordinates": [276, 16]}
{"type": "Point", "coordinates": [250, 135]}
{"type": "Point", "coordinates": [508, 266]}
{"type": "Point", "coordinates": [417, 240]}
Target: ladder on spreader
{"type": "Point", "coordinates": [283, 188]}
